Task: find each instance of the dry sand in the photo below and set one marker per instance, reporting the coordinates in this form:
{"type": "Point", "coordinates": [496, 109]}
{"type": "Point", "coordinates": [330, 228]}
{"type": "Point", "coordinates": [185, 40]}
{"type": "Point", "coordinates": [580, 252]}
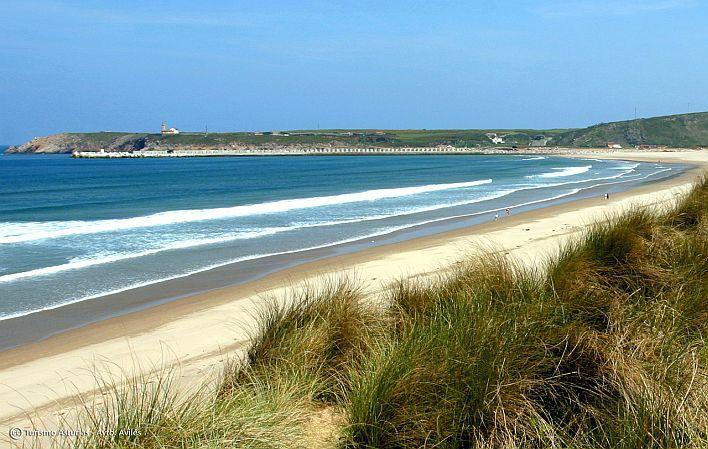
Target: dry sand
{"type": "Point", "coordinates": [195, 334]}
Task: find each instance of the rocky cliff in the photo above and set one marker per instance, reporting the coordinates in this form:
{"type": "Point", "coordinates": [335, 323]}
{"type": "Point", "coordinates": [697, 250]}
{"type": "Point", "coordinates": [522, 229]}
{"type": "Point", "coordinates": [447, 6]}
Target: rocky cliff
{"type": "Point", "coordinates": [68, 142]}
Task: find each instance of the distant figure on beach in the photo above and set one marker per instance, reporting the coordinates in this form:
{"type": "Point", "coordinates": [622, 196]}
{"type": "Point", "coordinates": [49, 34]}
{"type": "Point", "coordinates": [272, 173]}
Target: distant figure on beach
{"type": "Point", "coordinates": [496, 216]}
{"type": "Point", "coordinates": [507, 211]}
{"type": "Point", "coordinates": [607, 196]}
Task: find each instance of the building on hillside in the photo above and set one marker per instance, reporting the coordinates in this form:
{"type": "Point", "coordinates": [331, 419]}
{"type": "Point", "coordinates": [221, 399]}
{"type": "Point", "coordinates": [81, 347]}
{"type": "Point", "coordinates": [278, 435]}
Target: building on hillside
{"type": "Point", "coordinates": [539, 141]}
{"type": "Point", "coordinates": [495, 138]}
{"type": "Point", "coordinates": [168, 131]}
{"type": "Point", "coordinates": [614, 145]}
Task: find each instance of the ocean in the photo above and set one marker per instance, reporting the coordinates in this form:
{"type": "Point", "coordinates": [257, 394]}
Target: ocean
{"type": "Point", "coordinates": [76, 229]}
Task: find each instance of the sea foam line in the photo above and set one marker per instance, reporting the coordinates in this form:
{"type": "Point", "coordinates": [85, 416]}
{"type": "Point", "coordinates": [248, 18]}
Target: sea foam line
{"type": "Point", "coordinates": [562, 172]}
{"type": "Point", "coordinates": [197, 271]}
{"type": "Point", "coordinates": [24, 232]}
{"type": "Point", "coordinates": [79, 263]}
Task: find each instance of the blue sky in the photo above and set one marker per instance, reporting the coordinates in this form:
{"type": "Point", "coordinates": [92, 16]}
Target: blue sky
{"type": "Point", "coordinates": [233, 65]}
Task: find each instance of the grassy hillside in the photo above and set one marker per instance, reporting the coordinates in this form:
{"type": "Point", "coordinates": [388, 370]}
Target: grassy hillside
{"type": "Point", "coordinates": [606, 348]}
{"type": "Point", "coordinates": [352, 137]}
{"type": "Point", "coordinates": [684, 130]}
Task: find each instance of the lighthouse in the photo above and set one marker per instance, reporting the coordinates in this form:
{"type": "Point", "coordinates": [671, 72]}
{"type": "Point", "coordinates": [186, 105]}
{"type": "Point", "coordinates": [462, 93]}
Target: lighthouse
{"type": "Point", "coordinates": [166, 131]}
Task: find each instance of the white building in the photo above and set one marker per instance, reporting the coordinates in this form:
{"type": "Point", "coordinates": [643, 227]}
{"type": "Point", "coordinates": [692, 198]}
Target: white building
{"type": "Point", "coordinates": [168, 131]}
{"type": "Point", "coordinates": [495, 138]}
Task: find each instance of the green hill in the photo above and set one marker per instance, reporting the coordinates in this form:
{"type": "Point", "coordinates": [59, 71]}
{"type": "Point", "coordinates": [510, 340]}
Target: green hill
{"type": "Point", "coordinates": [683, 130]}
{"type": "Point", "coordinates": [123, 141]}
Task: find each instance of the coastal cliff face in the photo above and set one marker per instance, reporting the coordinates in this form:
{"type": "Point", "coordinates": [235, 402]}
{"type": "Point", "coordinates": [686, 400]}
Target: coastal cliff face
{"type": "Point", "coordinates": [65, 143]}
{"type": "Point", "coordinates": [68, 142]}
{"type": "Point", "coordinates": [58, 143]}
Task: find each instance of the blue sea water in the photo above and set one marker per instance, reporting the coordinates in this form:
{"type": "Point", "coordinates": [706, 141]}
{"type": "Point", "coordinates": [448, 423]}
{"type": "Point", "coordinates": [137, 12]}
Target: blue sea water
{"type": "Point", "coordinates": [76, 229]}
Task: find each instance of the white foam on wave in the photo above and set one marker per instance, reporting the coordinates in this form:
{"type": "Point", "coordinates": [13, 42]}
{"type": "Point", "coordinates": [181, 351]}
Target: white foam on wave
{"type": "Point", "coordinates": [25, 232]}
{"type": "Point", "coordinates": [626, 171]}
{"type": "Point", "coordinates": [594, 160]}
{"type": "Point", "coordinates": [102, 259]}
{"type": "Point", "coordinates": [534, 158]}
{"type": "Point", "coordinates": [625, 167]}
{"type": "Point", "coordinates": [561, 172]}
{"type": "Point", "coordinates": [635, 177]}
{"type": "Point", "coordinates": [197, 271]}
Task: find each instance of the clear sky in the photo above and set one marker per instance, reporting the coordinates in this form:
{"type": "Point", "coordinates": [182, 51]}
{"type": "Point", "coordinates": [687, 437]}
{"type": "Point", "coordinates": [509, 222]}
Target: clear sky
{"type": "Point", "coordinates": [270, 65]}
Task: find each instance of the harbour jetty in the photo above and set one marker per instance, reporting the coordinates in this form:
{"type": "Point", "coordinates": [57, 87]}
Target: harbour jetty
{"type": "Point", "coordinates": [282, 151]}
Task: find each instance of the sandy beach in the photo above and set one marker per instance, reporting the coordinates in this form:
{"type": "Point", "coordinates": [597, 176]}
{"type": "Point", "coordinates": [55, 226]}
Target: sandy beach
{"type": "Point", "coordinates": [195, 334]}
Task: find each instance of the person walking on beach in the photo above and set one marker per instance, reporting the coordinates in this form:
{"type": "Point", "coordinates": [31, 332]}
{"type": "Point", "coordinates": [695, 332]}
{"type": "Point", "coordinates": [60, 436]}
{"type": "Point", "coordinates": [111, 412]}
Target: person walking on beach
{"type": "Point", "coordinates": [607, 196]}
{"type": "Point", "coordinates": [496, 216]}
{"type": "Point", "coordinates": [507, 211]}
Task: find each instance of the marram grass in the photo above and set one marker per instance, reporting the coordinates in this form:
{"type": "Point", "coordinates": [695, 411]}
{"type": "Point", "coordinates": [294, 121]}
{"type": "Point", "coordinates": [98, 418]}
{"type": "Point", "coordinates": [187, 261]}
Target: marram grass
{"type": "Point", "coordinates": [604, 348]}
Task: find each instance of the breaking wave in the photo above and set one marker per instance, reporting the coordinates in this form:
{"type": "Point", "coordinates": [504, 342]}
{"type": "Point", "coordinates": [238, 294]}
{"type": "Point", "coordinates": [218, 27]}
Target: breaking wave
{"type": "Point", "coordinates": [25, 232]}
{"type": "Point", "coordinates": [562, 172]}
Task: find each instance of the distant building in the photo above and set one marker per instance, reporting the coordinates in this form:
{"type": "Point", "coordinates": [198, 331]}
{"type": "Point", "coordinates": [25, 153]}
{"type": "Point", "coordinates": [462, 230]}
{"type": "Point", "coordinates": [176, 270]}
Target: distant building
{"type": "Point", "coordinates": [539, 141]}
{"type": "Point", "coordinates": [168, 131]}
{"type": "Point", "coordinates": [614, 145]}
{"type": "Point", "coordinates": [494, 138]}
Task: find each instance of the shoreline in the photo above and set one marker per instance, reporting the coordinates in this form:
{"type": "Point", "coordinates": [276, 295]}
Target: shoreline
{"type": "Point", "coordinates": [21, 330]}
{"type": "Point", "coordinates": [35, 369]}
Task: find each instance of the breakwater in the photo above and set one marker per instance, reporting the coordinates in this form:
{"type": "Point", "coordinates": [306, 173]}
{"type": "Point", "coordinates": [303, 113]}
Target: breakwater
{"type": "Point", "coordinates": [283, 151]}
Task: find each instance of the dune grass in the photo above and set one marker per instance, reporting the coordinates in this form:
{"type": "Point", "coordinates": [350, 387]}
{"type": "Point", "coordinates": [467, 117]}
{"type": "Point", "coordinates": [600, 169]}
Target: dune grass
{"type": "Point", "coordinates": [605, 347]}
{"type": "Point", "coordinates": [321, 331]}
{"type": "Point", "coordinates": [273, 398]}
{"type": "Point", "coordinates": [149, 412]}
